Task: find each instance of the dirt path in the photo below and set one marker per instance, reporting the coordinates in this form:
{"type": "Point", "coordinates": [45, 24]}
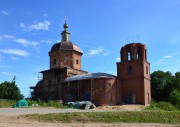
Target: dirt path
{"type": "Point", "coordinates": [9, 118]}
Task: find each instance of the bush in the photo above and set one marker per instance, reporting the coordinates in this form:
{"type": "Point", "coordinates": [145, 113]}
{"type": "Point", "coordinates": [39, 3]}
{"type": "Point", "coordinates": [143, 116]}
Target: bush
{"type": "Point", "coordinates": [162, 106]}
{"type": "Point", "coordinates": [175, 98]}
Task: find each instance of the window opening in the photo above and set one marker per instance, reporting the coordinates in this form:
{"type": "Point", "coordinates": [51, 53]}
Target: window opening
{"type": "Point", "coordinates": [129, 55]}
{"type": "Point", "coordinates": [77, 62]}
{"type": "Point", "coordinates": [129, 70]}
{"type": "Point", "coordinates": [146, 70]}
{"type": "Point", "coordinates": [66, 60]}
{"type": "Point", "coordinates": [138, 54]}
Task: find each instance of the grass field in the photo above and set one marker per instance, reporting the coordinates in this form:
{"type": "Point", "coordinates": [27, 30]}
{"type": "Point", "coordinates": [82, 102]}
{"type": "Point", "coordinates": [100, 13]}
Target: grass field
{"type": "Point", "coordinates": [111, 117]}
{"type": "Point", "coordinates": [4, 103]}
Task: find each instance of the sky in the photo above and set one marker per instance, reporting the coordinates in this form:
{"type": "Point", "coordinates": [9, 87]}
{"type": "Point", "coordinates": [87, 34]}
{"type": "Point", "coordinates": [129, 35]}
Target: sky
{"type": "Point", "coordinates": [29, 28]}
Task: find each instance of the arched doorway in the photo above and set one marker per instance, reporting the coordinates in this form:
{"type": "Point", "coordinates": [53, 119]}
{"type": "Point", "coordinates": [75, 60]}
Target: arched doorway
{"type": "Point", "coordinates": [131, 98]}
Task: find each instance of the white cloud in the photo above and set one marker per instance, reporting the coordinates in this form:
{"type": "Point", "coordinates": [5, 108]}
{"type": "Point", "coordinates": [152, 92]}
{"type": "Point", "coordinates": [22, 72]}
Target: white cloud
{"type": "Point", "coordinates": [160, 60]}
{"type": "Point", "coordinates": [45, 14]}
{"type": "Point", "coordinates": [34, 44]}
{"type": "Point", "coordinates": [36, 26]}
{"type": "Point", "coordinates": [40, 25]}
{"type": "Point", "coordinates": [9, 74]}
{"type": "Point", "coordinates": [47, 41]}
{"type": "Point", "coordinates": [8, 36]}
{"type": "Point", "coordinates": [4, 13]}
{"type": "Point", "coordinates": [23, 42]}
{"type": "Point", "coordinates": [15, 52]}
{"type": "Point", "coordinates": [106, 53]}
{"type": "Point", "coordinates": [95, 51]}
{"type": "Point", "coordinates": [22, 25]}
{"type": "Point", "coordinates": [118, 59]}
{"type": "Point", "coordinates": [27, 43]}
{"type": "Point", "coordinates": [167, 56]}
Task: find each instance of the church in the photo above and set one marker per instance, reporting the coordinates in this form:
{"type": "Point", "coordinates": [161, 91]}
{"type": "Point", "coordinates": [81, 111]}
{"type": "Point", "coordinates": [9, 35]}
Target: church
{"type": "Point", "coordinates": [65, 80]}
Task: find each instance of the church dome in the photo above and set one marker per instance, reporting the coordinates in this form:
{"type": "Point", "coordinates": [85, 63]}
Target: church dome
{"type": "Point", "coordinates": [40, 83]}
{"type": "Point", "coordinates": [65, 45]}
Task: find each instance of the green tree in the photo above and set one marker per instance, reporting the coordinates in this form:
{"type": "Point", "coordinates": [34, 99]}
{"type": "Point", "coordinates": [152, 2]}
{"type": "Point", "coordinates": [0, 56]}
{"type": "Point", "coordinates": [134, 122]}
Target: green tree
{"type": "Point", "coordinates": [9, 90]}
{"type": "Point", "coordinates": [161, 85]}
{"type": "Point", "coordinates": [175, 98]}
{"type": "Point", "coordinates": [176, 83]}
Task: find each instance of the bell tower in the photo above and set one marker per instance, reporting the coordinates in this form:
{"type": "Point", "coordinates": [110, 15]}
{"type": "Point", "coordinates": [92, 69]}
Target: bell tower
{"type": "Point", "coordinates": [133, 73]}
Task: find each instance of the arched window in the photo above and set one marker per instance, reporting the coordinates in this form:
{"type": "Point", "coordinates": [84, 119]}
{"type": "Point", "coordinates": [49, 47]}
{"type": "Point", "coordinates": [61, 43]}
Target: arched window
{"type": "Point", "coordinates": [77, 62]}
{"type": "Point", "coordinates": [129, 54]}
{"type": "Point", "coordinates": [138, 54]}
{"type": "Point", "coordinates": [147, 70]}
{"type": "Point", "coordinates": [66, 60]}
{"type": "Point", "coordinates": [145, 54]}
{"type": "Point", "coordinates": [129, 70]}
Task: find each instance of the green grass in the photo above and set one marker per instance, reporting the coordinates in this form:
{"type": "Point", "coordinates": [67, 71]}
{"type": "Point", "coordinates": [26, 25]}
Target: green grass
{"type": "Point", "coordinates": [110, 117]}
{"type": "Point", "coordinates": [47, 104]}
{"type": "Point", "coordinates": [165, 106]}
{"type": "Point", "coordinates": [4, 103]}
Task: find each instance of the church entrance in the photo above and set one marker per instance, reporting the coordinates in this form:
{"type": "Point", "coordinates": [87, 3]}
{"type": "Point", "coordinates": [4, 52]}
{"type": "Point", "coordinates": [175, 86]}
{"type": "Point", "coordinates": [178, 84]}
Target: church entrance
{"type": "Point", "coordinates": [131, 98]}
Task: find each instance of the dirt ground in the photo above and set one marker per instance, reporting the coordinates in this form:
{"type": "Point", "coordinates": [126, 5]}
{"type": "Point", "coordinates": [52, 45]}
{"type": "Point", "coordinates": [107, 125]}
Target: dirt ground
{"type": "Point", "coordinates": [122, 107]}
{"type": "Point", "coordinates": [9, 120]}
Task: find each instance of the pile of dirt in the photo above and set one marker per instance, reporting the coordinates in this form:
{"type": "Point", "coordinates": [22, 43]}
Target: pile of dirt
{"type": "Point", "coordinates": [122, 107]}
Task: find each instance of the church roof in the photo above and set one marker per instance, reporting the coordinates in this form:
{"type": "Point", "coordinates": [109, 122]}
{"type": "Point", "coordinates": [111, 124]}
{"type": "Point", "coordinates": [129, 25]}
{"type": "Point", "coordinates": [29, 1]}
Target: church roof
{"type": "Point", "coordinates": [40, 83]}
{"type": "Point", "coordinates": [65, 45]}
{"type": "Point", "coordinates": [89, 76]}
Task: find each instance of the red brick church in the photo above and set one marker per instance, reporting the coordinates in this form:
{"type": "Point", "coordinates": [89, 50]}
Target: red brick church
{"type": "Point", "coordinates": [66, 81]}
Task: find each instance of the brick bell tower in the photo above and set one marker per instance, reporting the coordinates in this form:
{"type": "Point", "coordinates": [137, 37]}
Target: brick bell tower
{"type": "Point", "coordinates": [133, 73]}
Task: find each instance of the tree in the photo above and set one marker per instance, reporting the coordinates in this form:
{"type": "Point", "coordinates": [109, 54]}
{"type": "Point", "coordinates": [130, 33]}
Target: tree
{"type": "Point", "coordinates": [161, 85]}
{"type": "Point", "coordinates": [175, 98]}
{"type": "Point", "coordinates": [176, 84]}
{"type": "Point", "coordinates": [9, 90]}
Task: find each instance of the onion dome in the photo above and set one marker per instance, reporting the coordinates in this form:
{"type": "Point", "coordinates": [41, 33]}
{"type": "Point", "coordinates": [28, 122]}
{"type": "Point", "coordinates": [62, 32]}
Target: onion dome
{"type": "Point", "coordinates": [65, 43]}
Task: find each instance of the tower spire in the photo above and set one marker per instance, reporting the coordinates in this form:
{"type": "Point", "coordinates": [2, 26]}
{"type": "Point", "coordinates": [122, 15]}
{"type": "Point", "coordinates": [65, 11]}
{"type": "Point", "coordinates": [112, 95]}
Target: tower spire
{"type": "Point", "coordinates": [65, 34]}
